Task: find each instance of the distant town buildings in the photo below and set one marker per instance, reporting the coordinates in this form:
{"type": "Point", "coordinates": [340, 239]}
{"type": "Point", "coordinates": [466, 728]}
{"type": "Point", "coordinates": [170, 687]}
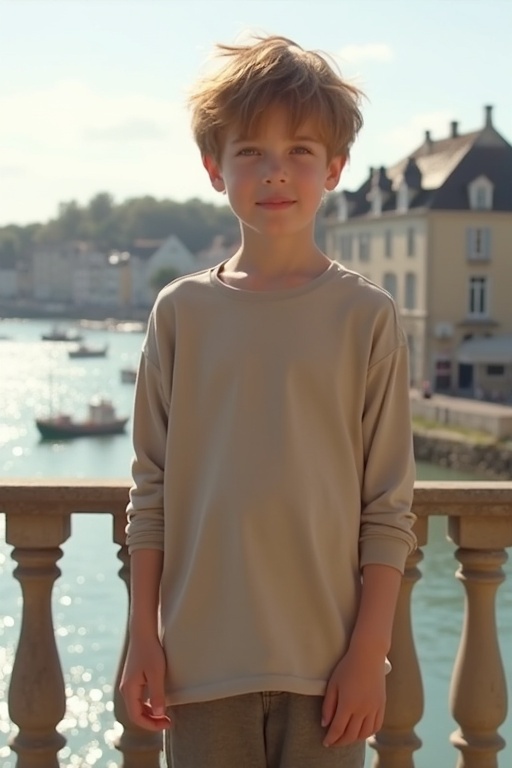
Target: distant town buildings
{"type": "Point", "coordinates": [435, 230]}
{"type": "Point", "coordinates": [78, 275]}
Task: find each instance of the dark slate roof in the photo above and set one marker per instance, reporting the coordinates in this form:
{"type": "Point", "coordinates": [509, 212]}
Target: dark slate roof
{"type": "Point", "coordinates": [144, 248]}
{"type": "Point", "coordinates": [445, 167]}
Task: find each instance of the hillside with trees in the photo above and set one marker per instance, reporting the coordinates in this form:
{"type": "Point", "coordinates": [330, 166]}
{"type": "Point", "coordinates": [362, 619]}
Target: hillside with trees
{"type": "Point", "coordinates": [110, 226]}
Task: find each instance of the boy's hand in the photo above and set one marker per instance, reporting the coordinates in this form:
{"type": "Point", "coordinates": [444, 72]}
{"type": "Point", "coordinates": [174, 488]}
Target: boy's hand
{"type": "Point", "coordinates": [142, 684]}
{"type": "Point", "coordinates": [355, 699]}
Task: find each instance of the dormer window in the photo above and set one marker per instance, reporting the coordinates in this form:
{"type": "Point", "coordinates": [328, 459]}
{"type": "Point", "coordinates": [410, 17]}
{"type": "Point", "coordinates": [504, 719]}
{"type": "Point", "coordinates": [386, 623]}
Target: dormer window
{"type": "Point", "coordinates": [402, 198]}
{"type": "Point", "coordinates": [481, 194]}
{"type": "Point", "coordinates": [342, 207]}
{"type": "Point", "coordinates": [483, 200]}
{"type": "Point", "coordinates": [376, 202]}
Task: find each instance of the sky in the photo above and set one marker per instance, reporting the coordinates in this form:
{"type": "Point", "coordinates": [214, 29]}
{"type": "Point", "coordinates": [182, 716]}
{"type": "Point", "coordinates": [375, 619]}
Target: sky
{"type": "Point", "coordinates": [93, 92]}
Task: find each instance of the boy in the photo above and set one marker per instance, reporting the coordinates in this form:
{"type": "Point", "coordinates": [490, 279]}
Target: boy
{"type": "Point", "coordinates": [269, 520]}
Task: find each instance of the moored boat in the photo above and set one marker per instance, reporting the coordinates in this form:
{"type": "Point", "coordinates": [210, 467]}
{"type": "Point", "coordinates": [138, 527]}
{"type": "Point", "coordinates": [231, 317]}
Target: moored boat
{"type": "Point", "coordinates": [128, 375]}
{"type": "Point", "coordinates": [102, 420]}
{"type": "Point", "coordinates": [58, 333]}
{"type": "Point", "coordinates": [128, 327]}
{"type": "Point", "coordinates": [84, 350]}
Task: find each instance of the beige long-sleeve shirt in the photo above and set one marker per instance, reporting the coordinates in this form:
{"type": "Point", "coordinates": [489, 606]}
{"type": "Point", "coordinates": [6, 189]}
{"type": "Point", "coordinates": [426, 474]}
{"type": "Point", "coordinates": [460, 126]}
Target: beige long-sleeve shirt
{"type": "Point", "coordinates": [273, 459]}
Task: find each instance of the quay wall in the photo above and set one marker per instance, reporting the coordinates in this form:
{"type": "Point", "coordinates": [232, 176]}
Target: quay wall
{"type": "Point", "coordinates": [492, 461]}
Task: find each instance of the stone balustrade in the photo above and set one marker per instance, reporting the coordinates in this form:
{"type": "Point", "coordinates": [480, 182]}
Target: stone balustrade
{"type": "Point", "coordinates": [479, 517]}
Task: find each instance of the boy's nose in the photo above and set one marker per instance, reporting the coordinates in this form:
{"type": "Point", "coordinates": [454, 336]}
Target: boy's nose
{"type": "Point", "coordinates": [274, 171]}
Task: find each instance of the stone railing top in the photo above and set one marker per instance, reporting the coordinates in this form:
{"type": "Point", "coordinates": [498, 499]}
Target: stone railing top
{"type": "Point", "coordinates": [70, 495]}
{"type": "Point", "coordinates": [463, 498]}
{"type": "Point", "coordinates": [60, 496]}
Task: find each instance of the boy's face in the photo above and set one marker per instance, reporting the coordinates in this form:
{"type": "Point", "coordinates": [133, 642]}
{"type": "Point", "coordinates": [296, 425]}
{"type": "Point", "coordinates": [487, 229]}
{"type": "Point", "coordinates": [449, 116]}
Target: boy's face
{"type": "Point", "coordinates": [275, 181]}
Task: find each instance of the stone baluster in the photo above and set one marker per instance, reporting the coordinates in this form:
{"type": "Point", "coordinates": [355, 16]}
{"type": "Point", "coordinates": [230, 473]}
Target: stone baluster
{"type": "Point", "coordinates": [37, 701]}
{"type": "Point", "coordinates": [140, 748]}
{"type": "Point", "coordinates": [478, 693]}
{"type": "Point", "coordinates": [396, 742]}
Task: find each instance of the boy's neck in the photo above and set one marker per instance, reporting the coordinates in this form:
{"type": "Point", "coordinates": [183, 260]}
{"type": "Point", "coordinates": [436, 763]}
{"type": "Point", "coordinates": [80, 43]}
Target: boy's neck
{"type": "Point", "coordinates": [274, 263]}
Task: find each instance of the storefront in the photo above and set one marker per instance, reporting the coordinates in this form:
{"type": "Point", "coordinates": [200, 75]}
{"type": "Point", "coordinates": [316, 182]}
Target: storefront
{"type": "Point", "coordinates": [484, 368]}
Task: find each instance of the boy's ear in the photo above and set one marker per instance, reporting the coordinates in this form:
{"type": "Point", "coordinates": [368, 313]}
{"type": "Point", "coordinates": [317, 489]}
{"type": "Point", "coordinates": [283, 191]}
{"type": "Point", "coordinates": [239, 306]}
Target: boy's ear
{"type": "Point", "coordinates": [334, 170]}
{"type": "Point", "coordinates": [214, 172]}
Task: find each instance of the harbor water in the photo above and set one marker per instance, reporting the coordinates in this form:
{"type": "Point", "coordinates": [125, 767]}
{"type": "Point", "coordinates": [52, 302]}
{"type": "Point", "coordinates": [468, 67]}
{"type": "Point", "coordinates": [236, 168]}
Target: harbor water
{"type": "Point", "coordinates": [89, 599]}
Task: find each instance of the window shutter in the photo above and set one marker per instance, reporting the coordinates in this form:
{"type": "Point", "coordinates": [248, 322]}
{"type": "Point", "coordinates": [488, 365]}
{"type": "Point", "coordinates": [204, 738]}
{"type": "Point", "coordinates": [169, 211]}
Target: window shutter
{"type": "Point", "coordinates": [486, 249]}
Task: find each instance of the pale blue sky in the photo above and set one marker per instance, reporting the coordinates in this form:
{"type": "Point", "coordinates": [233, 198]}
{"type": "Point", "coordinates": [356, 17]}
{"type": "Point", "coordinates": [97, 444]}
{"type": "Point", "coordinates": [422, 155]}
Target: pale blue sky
{"type": "Point", "coordinates": [92, 92]}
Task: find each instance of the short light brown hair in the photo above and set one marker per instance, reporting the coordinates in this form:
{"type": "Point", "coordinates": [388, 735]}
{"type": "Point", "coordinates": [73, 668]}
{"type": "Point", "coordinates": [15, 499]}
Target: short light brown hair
{"type": "Point", "coordinates": [274, 71]}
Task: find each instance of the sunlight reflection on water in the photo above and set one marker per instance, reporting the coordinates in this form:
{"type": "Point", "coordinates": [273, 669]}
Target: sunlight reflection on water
{"type": "Point", "coordinates": [89, 600]}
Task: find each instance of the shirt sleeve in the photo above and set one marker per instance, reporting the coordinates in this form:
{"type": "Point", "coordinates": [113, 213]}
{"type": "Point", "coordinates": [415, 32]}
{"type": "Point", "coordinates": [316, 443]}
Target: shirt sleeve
{"type": "Point", "coordinates": [386, 535]}
{"type": "Point", "coordinates": [145, 528]}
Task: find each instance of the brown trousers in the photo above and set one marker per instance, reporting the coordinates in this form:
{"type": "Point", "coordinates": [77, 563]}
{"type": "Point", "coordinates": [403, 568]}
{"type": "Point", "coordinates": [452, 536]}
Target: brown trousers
{"type": "Point", "coordinates": [255, 730]}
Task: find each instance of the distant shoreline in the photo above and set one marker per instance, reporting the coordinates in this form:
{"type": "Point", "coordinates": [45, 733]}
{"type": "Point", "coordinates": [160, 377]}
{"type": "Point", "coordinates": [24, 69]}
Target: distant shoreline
{"type": "Point", "coordinates": [10, 311]}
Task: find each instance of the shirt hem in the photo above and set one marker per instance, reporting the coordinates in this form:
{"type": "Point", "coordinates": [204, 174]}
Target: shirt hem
{"type": "Point", "coordinates": [247, 685]}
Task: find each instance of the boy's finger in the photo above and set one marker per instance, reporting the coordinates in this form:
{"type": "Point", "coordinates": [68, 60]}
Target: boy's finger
{"type": "Point", "coordinates": [379, 720]}
{"type": "Point", "coordinates": [132, 695]}
{"type": "Point", "coordinates": [337, 728]}
{"type": "Point", "coordinates": [156, 696]}
{"type": "Point", "coordinates": [159, 720]}
{"type": "Point", "coordinates": [352, 732]}
{"type": "Point", "coordinates": [329, 705]}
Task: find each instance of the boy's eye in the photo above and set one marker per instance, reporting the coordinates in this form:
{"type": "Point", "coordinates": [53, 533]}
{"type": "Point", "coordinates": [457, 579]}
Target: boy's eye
{"type": "Point", "coordinates": [248, 151]}
{"type": "Point", "coordinates": [301, 150]}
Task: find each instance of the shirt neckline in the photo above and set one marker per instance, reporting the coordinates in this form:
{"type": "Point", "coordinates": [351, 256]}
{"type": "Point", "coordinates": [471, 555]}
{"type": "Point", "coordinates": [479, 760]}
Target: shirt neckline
{"type": "Point", "coordinates": [279, 293]}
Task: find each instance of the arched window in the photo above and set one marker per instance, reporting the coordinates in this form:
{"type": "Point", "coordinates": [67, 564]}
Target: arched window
{"type": "Point", "coordinates": [481, 194]}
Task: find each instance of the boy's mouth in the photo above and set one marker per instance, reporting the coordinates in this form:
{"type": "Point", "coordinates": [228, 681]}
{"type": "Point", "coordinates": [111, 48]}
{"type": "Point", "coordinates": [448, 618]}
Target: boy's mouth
{"type": "Point", "coordinates": [276, 203]}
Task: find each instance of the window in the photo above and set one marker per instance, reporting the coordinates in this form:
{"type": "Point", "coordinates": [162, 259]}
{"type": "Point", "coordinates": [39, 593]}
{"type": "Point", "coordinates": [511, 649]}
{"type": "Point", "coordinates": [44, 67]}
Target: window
{"type": "Point", "coordinates": [481, 194]}
{"type": "Point", "coordinates": [364, 247]}
{"type": "Point", "coordinates": [388, 243]}
{"type": "Point", "coordinates": [411, 241]}
{"type": "Point", "coordinates": [478, 244]}
{"type": "Point", "coordinates": [478, 299]}
{"type": "Point", "coordinates": [402, 198]}
{"type": "Point", "coordinates": [377, 202]}
{"type": "Point", "coordinates": [345, 247]}
{"type": "Point", "coordinates": [342, 207]}
{"type": "Point", "coordinates": [495, 370]}
{"type": "Point", "coordinates": [389, 284]}
{"type": "Point", "coordinates": [443, 374]}
{"type": "Point", "coordinates": [482, 198]}
{"type": "Point", "coordinates": [410, 290]}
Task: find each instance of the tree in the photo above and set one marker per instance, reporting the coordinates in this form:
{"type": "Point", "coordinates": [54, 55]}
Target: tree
{"type": "Point", "coordinates": [71, 220]}
{"type": "Point", "coordinates": [100, 207]}
{"type": "Point", "coordinates": [162, 277]}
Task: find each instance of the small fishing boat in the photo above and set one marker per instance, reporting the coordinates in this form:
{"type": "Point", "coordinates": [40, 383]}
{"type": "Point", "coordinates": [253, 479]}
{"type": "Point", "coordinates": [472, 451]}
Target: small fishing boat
{"type": "Point", "coordinates": [132, 327]}
{"type": "Point", "coordinates": [58, 333]}
{"type": "Point", "coordinates": [84, 350]}
{"type": "Point", "coordinates": [128, 375]}
{"type": "Point", "coordinates": [102, 420]}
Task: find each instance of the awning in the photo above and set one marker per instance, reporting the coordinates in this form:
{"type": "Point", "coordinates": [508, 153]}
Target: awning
{"type": "Point", "coordinates": [494, 350]}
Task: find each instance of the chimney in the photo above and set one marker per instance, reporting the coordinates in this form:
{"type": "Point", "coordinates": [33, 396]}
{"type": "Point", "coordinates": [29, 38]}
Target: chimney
{"type": "Point", "coordinates": [428, 140]}
{"type": "Point", "coordinates": [488, 116]}
{"type": "Point", "coordinates": [454, 125]}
